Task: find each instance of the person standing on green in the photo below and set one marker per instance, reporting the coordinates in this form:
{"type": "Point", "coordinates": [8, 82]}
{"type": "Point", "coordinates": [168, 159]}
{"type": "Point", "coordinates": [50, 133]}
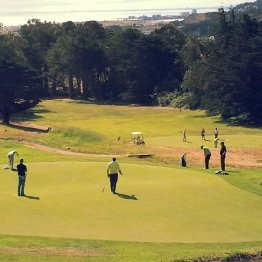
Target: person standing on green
{"type": "Point", "coordinates": [223, 152]}
{"type": "Point", "coordinates": [216, 133]}
{"type": "Point", "coordinates": [112, 172]}
{"type": "Point", "coordinates": [207, 155]}
{"type": "Point", "coordinates": [21, 170]}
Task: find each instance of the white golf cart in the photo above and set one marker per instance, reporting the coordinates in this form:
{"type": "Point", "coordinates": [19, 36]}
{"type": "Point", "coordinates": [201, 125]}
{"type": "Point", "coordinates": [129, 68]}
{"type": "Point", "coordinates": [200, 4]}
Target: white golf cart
{"type": "Point", "coordinates": [137, 138]}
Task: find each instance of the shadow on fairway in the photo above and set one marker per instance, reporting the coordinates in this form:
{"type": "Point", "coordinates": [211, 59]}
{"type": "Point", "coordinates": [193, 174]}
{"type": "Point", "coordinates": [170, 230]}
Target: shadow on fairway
{"type": "Point", "coordinates": [32, 197]}
{"type": "Point", "coordinates": [30, 129]}
{"type": "Point", "coordinates": [124, 196]}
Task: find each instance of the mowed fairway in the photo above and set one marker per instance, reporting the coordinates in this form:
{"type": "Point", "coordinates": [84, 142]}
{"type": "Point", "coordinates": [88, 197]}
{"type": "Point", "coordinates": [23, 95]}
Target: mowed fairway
{"type": "Point", "coordinates": [154, 204]}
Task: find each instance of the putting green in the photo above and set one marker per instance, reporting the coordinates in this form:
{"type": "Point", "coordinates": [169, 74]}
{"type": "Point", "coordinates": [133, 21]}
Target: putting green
{"type": "Point", "coordinates": [156, 204]}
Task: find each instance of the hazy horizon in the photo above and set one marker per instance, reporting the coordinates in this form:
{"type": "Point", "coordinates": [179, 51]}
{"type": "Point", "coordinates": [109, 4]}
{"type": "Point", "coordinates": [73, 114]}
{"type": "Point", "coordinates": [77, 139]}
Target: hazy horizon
{"type": "Point", "coordinates": [17, 12]}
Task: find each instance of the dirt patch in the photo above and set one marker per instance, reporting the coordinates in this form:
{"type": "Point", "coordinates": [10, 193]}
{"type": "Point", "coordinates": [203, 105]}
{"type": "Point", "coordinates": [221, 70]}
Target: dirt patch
{"type": "Point", "coordinates": [29, 127]}
{"type": "Point", "coordinates": [241, 158]}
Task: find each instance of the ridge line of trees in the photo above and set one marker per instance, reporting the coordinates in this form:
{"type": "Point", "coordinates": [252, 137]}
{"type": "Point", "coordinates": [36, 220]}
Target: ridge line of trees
{"type": "Point", "coordinates": [221, 74]}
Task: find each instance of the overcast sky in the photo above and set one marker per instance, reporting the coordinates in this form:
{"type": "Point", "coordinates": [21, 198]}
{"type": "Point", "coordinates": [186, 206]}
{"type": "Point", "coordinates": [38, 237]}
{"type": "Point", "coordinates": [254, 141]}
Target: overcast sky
{"type": "Point", "coordinates": [17, 11]}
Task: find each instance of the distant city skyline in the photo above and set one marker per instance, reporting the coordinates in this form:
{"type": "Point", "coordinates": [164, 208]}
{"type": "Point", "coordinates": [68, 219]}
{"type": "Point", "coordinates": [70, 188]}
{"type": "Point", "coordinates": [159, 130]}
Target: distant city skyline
{"type": "Point", "coordinates": [16, 12]}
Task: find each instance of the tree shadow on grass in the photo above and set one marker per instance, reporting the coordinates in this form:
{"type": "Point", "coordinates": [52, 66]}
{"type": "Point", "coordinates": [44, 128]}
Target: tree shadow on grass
{"type": "Point", "coordinates": [31, 114]}
{"type": "Point", "coordinates": [30, 128]}
{"type": "Point", "coordinates": [125, 196]}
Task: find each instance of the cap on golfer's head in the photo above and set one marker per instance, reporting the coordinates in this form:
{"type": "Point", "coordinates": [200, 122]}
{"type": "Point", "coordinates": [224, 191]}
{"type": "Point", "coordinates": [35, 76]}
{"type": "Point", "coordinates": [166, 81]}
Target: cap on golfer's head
{"type": "Point", "coordinates": [201, 147]}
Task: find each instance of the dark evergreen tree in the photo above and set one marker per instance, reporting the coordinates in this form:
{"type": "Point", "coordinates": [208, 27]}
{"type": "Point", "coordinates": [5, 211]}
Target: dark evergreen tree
{"type": "Point", "coordinates": [227, 80]}
{"type": "Point", "coordinates": [37, 39]}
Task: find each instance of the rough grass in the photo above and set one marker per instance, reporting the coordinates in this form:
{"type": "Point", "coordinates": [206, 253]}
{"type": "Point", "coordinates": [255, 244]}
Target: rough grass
{"type": "Point", "coordinates": [161, 126]}
{"type": "Point", "coordinates": [30, 249]}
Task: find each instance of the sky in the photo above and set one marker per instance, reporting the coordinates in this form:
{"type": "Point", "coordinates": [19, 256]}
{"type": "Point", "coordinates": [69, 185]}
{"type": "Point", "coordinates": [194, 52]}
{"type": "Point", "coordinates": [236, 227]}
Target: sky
{"type": "Point", "coordinates": [17, 12]}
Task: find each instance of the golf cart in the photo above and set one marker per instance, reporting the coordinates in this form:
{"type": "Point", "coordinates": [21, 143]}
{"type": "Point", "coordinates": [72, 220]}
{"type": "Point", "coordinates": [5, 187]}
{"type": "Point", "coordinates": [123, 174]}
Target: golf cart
{"type": "Point", "coordinates": [137, 138]}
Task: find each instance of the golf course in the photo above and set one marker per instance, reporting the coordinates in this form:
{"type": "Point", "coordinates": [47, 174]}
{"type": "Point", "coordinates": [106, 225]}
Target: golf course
{"type": "Point", "coordinates": [161, 211]}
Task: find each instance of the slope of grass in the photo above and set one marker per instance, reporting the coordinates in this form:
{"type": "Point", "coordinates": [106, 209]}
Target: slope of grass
{"type": "Point", "coordinates": [30, 249]}
{"type": "Point", "coordinates": [95, 128]}
{"type": "Point", "coordinates": [250, 180]}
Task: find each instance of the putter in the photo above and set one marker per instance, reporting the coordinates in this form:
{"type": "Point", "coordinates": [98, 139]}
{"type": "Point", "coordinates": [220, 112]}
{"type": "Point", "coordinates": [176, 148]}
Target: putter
{"type": "Point", "coordinates": [103, 188]}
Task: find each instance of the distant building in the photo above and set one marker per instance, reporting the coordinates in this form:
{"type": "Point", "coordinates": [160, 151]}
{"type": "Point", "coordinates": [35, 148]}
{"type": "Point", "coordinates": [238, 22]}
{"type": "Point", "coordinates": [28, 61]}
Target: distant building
{"type": "Point", "coordinates": [185, 14]}
{"type": "Point", "coordinates": [194, 11]}
{"type": "Point", "coordinates": [156, 17]}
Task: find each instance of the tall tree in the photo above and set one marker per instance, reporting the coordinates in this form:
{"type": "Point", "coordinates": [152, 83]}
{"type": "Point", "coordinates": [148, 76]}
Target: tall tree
{"type": "Point", "coordinates": [228, 79]}
{"type": "Point", "coordinates": [142, 64]}
{"type": "Point", "coordinates": [20, 86]}
{"type": "Point", "coordinates": [91, 57]}
{"type": "Point", "coordinates": [62, 59]}
{"type": "Point", "coordinates": [38, 38]}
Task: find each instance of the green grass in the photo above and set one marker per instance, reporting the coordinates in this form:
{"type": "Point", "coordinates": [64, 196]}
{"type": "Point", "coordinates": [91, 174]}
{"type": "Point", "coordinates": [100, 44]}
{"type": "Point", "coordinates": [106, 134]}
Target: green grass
{"type": "Point", "coordinates": [27, 249]}
{"type": "Point", "coordinates": [172, 205]}
{"type": "Point", "coordinates": [250, 180]}
{"type": "Point", "coordinates": [95, 128]}
{"type": "Point", "coordinates": [163, 213]}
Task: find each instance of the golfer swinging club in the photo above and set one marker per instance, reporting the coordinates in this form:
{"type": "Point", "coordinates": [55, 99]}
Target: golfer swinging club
{"type": "Point", "coordinates": [112, 172]}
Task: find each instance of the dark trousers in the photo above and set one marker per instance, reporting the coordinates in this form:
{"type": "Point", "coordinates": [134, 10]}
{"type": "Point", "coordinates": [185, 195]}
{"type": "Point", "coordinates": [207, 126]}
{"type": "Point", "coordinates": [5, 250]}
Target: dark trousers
{"type": "Point", "coordinates": [223, 164]}
{"type": "Point", "coordinates": [207, 158]}
{"type": "Point", "coordinates": [113, 181]}
{"type": "Point", "coordinates": [183, 162]}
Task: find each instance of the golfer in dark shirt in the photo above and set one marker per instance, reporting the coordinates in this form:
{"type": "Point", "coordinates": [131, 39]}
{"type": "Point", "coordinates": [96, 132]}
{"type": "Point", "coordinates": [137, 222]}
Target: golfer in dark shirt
{"type": "Point", "coordinates": [21, 169]}
{"type": "Point", "coordinates": [223, 151]}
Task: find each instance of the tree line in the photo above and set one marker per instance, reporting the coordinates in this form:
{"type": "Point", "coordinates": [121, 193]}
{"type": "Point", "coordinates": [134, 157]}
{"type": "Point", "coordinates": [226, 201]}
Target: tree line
{"type": "Point", "coordinates": [221, 74]}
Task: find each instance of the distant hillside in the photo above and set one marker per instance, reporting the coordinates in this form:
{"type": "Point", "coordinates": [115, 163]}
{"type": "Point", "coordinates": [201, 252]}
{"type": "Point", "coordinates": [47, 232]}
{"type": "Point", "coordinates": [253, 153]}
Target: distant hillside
{"type": "Point", "coordinates": [249, 6]}
{"type": "Point", "coordinates": [197, 18]}
{"type": "Point", "coordinates": [203, 24]}
{"type": "Point", "coordinates": [6, 29]}
{"type": "Point", "coordinates": [252, 9]}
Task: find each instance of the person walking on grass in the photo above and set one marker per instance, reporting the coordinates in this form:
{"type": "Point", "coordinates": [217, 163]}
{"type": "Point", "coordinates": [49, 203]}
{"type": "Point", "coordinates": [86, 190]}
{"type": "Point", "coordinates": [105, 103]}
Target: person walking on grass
{"type": "Point", "coordinates": [216, 133]}
{"type": "Point", "coordinates": [112, 172]}
{"type": "Point", "coordinates": [216, 142]}
{"type": "Point", "coordinates": [21, 170]}
{"type": "Point", "coordinates": [203, 134]}
{"type": "Point", "coordinates": [207, 155]}
{"type": "Point", "coordinates": [11, 157]}
{"type": "Point", "coordinates": [184, 135]}
{"type": "Point", "coordinates": [223, 152]}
